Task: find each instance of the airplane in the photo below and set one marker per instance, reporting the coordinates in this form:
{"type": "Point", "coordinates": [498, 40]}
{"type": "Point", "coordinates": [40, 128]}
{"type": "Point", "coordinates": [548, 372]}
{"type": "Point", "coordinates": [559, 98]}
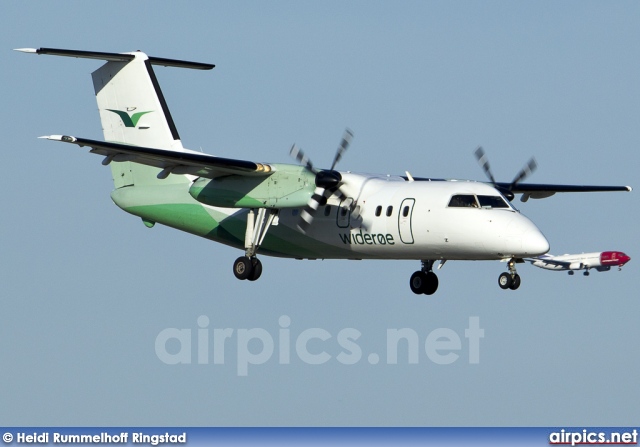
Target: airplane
{"type": "Point", "coordinates": [298, 210]}
{"type": "Point", "coordinates": [601, 261]}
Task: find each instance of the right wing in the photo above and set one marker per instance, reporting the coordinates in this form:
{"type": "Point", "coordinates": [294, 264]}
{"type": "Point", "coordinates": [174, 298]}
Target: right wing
{"type": "Point", "coordinates": [542, 191]}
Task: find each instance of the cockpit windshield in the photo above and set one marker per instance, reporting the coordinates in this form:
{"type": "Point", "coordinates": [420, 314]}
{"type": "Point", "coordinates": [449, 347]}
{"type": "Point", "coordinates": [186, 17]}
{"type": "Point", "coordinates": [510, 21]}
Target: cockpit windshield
{"type": "Point", "coordinates": [472, 201]}
{"type": "Point", "coordinates": [463, 201]}
{"type": "Point", "coordinates": [492, 202]}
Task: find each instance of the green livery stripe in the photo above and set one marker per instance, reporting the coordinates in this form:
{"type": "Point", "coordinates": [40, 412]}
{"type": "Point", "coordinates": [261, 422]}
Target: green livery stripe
{"type": "Point", "coordinates": [171, 205]}
{"type": "Point", "coordinates": [280, 241]}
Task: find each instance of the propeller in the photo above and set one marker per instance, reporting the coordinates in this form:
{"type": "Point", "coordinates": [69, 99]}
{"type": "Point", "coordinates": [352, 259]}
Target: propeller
{"type": "Point", "coordinates": [484, 162]}
{"type": "Point", "coordinates": [328, 181]}
{"type": "Point", "coordinates": [526, 171]}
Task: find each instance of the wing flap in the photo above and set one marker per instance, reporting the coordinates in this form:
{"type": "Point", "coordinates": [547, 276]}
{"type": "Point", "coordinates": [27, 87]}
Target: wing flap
{"type": "Point", "coordinates": [176, 162]}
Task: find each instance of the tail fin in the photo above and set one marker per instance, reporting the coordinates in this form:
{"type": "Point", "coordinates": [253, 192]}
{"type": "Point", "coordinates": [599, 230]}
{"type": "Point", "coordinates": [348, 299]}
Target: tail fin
{"type": "Point", "coordinates": [132, 107]}
{"type": "Point", "coordinates": [131, 104]}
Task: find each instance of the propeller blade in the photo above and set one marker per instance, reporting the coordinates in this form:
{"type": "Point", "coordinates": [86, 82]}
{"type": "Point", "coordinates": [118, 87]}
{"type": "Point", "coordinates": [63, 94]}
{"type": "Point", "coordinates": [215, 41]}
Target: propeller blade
{"type": "Point", "coordinates": [484, 162]}
{"type": "Point", "coordinates": [526, 171]}
{"type": "Point", "coordinates": [318, 199]}
{"type": "Point", "coordinates": [301, 158]}
{"type": "Point", "coordinates": [308, 212]}
{"type": "Point", "coordinates": [344, 145]}
{"type": "Point", "coordinates": [327, 181]}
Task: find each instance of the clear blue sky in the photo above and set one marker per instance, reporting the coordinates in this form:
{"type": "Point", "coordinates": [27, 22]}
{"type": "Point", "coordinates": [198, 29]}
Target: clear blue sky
{"type": "Point", "coordinates": [88, 288]}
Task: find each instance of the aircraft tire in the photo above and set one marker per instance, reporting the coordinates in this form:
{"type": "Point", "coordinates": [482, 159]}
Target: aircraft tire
{"type": "Point", "coordinates": [504, 280]}
{"type": "Point", "coordinates": [256, 269]}
{"type": "Point", "coordinates": [515, 282]}
{"type": "Point", "coordinates": [431, 284]}
{"type": "Point", "coordinates": [417, 282]}
{"type": "Point", "coordinates": [242, 267]}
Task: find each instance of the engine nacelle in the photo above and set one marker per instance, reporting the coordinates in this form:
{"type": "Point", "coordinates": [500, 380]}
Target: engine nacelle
{"type": "Point", "coordinates": [288, 186]}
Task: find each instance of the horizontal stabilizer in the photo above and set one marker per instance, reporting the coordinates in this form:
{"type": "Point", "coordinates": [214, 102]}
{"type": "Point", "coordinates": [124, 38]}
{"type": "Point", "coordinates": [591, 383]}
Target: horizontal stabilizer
{"type": "Point", "coordinates": [116, 57]}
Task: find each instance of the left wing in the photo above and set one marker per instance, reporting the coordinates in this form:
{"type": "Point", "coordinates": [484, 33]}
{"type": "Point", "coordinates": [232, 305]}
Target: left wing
{"type": "Point", "coordinates": [176, 162]}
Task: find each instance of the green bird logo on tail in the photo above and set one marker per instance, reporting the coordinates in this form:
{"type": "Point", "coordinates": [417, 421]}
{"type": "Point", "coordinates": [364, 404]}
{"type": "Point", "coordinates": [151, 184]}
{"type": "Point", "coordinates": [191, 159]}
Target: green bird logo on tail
{"type": "Point", "coordinates": [129, 121]}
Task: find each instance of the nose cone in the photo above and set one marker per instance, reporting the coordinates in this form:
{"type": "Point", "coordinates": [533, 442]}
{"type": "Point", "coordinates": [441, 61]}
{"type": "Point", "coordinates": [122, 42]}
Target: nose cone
{"type": "Point", "coordinates": [524, 239]}
{"type": "Point", "coordinates": [534, 243]}
{"type": "Point", "coordinates": [624, 259]}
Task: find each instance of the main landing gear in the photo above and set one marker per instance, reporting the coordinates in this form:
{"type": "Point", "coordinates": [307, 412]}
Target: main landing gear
{"type": "Point", "coordinates": [511, 279]}
{"type": "Point", "coordinates": [424, 281]}
{"type": "Point", "coordinates": [249, 266]}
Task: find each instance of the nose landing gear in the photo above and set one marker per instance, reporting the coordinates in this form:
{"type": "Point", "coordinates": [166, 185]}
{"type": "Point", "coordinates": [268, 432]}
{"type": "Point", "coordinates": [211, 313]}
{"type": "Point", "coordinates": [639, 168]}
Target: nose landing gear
{"type": "Point", "coordinates": [511, 279]}
{"type": "Point", "coordinates": [424, 281]}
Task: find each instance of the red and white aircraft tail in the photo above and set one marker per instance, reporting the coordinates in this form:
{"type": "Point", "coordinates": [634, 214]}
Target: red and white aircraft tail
{"type": "Point", "coordinates": [601, 261]}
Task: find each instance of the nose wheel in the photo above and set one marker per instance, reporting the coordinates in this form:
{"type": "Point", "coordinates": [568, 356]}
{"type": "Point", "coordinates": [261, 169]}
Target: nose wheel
{"type": "Point", "coordinates": [510, 279]}
{"type": "Point", "coordinates": [506, 281]}
{"type": "Point", "coordinates": [424, 281]}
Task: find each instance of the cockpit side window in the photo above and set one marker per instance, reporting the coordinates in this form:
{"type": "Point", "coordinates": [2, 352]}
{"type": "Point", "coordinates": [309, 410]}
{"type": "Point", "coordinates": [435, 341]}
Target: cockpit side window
{"type": "Point", "coordinates": [463, 201]}
{"type": "Point", "coordinates": [492, 202]}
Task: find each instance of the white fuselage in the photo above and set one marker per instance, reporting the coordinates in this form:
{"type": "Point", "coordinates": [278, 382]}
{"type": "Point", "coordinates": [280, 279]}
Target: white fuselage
{"type": "Point", "coordinates": [382, 217]}
{"type": "Point", "coordinates": [392, 218]}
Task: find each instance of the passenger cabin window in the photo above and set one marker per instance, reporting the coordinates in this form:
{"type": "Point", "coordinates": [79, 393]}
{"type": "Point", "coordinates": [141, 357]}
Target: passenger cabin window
{"type": "Point", "coordinates": [327, 210]}
{"type": "Point", "coordinates": [492, 202]}
{"type": "Point", "coordinates": [389, 211]}
{"type": "Point", "coordinates": [463, 201]}
{"type": "Point", "coordinates": [378, 211]}
{"type": "Point", "coordinates": [405, 211]}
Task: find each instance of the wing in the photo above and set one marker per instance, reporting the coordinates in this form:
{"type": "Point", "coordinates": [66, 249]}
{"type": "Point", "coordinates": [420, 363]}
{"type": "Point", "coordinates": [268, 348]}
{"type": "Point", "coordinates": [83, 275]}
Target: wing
{"type": "Point", "coordinates": [541, 191]}
{"type": "Point", "coordinates": [537, 190]}
{"type": "Point", "coordinates": [549, 261]}
{"type": "Point", "coordinates": [176, 162]}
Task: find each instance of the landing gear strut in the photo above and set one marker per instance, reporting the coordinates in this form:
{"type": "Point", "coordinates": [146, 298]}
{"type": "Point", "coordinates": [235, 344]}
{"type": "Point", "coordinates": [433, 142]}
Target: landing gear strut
{"type": "Point", "coordinates": [424, 281]}
{"type": "Point", "coordinates": [249, 266]}
{"type": "Point", "coordinates": [511, 279]}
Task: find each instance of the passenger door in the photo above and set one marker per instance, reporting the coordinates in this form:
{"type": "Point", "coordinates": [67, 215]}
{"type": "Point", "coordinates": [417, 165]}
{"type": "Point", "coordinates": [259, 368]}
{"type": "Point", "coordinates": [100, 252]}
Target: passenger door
{"type": "Point", "coordinates": [344, 213]}
{"type": "Point", "coordinates": [404, 220]}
